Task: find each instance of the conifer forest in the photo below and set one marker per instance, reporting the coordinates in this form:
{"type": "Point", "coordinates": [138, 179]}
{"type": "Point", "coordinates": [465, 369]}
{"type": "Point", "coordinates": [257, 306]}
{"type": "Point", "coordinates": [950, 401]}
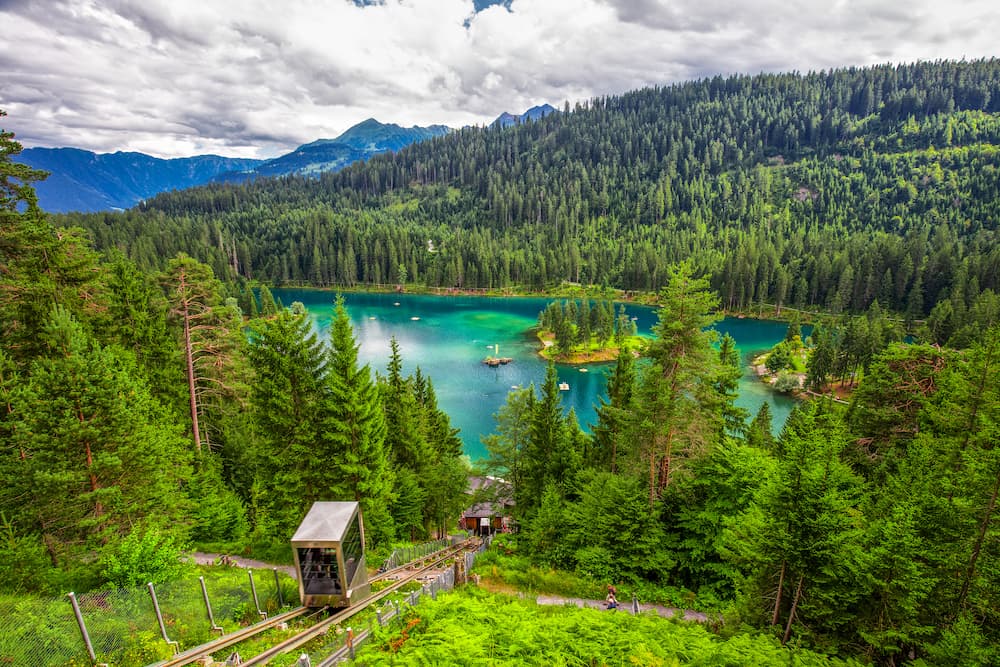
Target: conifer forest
{"type": "Point", "coordinates": [150, 384]}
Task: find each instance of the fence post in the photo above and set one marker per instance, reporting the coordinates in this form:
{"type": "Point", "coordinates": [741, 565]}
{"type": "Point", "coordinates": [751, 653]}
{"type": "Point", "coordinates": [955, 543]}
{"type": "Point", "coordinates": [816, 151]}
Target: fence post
{"type": "Point", "coordinates": [208, 607]}
{"type": "Point", "coordinates": [378, 615]}
{"type": "Point", "coordinates": [83, 626]}
{"type": "Point", "coordinates": [159, 619]}
{"type": "Point", "coordinates": [350, 642]}
{"type": "Point", "coordinates": [635, 604]}
{"type": "Point", "coordinates": [253, 591]}
{"type": "Point", "coordinates": [277, 586]}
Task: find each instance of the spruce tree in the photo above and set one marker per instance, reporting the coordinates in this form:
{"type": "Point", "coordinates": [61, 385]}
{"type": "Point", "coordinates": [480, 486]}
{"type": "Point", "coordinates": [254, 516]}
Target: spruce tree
{"type": "Point", "coordinates": [99, 453]}
{"type": "Point", "coordinates": [355, 428]}
{"type": "Point", "coordinates": [678, 411]}
{"type": "Point", "coordinates": [289, 399]}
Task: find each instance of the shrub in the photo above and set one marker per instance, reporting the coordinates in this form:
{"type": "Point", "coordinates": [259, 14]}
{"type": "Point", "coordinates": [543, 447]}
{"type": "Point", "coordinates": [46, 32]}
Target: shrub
{"type": "Point", "coordinates": [787, 383]}
{"type": "Point", "coordinates": [144, 555]}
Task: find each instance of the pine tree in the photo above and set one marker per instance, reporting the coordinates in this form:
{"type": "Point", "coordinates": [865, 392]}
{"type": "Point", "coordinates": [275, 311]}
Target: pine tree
{"type": "Point", "coordinates": [544, 460]}
{"type": "Point", "coordinates": [289, 398]}
{"type": "Point", "coordinates": [210, 336]}
{"type": "Point", "coordinates": [99, 453]}
{"type": "Point", "coordinates": [39, 267]}
{"type": "Point", "coordinates": [727, 385]}
{"type": "Point", "coordinates": [355, 428]}
{"type": "Point", "coordinates": [678, 412]}
{"type": "Point", "coordinates": [612, 414]}
{"type": "Point", "coordinates": [799, 544]}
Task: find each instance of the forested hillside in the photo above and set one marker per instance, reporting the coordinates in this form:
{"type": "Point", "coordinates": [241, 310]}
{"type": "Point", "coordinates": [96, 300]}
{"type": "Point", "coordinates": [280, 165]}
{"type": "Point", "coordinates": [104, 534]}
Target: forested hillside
{"type": "Point", "coordinates": [826, 190]}
{"type": "Point", "coordinates": [147, 390]}
{"type": "Point", "coordinates": [143, 412]}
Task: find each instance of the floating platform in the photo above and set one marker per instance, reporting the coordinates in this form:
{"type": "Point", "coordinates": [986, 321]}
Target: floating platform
{"type": "Point", "coordinates": [497, 361]}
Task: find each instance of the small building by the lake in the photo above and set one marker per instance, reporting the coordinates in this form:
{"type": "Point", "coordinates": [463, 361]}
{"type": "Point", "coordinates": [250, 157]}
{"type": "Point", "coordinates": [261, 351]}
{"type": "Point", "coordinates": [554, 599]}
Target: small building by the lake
{"type": "Point", "coordinates": [491, 501]}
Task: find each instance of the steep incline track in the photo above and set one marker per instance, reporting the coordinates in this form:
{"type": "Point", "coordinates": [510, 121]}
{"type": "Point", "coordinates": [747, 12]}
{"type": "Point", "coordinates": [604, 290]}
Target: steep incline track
{"type": "Point", "coordinates": [403, 574]}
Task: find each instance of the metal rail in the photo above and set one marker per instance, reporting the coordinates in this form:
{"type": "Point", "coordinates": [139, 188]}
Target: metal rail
{"type": "Point", "coordinates": [321, 628]}
{"type": "Point", "coordinates": [194, 654]}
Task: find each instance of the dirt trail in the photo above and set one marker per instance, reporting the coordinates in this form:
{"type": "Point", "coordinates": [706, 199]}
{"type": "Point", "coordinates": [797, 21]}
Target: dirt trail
{"type": "Point", "coordinates": [626, 606]}
{"type": "Point", "coordinates": [238, 561]}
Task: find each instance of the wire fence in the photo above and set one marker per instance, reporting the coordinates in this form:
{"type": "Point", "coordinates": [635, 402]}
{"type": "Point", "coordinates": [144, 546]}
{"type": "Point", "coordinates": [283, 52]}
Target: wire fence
{"type": "Point", "coordinates": [142, 626]}
{"type": "Point", "coordinates": [411, 553]}
{"type": "Point", "coordinates": [138, 626]}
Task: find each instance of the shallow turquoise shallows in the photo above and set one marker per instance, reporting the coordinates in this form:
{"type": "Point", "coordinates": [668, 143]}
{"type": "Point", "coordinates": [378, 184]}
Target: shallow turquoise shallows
{"type": "Point", "coordinates": [449, 336]}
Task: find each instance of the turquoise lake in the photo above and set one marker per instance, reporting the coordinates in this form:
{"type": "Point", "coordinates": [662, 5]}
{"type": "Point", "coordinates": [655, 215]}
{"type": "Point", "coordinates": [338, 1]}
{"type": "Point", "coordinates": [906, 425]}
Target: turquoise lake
{"type": "Point", "coordinates": [449, 336]}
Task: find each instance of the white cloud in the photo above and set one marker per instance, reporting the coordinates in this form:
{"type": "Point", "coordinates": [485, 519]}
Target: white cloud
{"type": "Point", "coordinates": [256, 78]}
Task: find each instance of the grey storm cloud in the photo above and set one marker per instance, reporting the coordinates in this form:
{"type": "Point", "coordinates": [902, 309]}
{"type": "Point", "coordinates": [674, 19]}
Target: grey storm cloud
{"type": "Point", "coordinates": [255, 78]}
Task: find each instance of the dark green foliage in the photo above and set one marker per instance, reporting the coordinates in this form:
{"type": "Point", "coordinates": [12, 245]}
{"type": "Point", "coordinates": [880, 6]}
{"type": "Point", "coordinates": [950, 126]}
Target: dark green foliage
{"type": "Point", "coordinates": [780, 358]}
{"type": "Point", "coordinates": [289, 397]}
{"type": "Point", "coordinates": [613, 532]}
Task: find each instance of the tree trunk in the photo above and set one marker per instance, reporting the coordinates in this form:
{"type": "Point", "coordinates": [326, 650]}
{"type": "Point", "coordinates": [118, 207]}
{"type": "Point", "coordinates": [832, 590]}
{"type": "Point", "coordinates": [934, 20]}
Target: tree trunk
{"type": "Point", "coordinates": [777, 598]}
{"type": "Point", "coordinates": [94, 486]}
{"type": "Point", "coordinates": [791, 614]}
{"type": "Point", "coordinates": [983, 527]}
{"type": "Point", "coordinates": [652, 476]}
{"type": "Point", "coordinates": [189, 358]}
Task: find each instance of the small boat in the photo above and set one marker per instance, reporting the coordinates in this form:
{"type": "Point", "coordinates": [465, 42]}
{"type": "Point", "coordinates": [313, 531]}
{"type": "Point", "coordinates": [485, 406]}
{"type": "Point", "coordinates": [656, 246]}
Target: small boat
{"type": "Point", "coordinates": [372, 317]}
{"type": "Point", "coordinates": [396, 303]}
{"type": "Point", "coordinates": [564, 386]}
{"type": "Point", "coordinates": [583, 370]}
{"type": "Point", "coordinates": [414, 318]}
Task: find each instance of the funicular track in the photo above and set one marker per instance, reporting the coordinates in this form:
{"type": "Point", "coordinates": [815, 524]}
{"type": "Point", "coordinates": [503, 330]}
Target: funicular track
{"type": "Point", "coordinates": [403, 575]}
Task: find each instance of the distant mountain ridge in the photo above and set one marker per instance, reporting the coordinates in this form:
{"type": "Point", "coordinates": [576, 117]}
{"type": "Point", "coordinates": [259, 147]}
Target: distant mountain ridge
{"type": "Point", "coordinates": [534, 113]}
{"type": "Point", "coordinates": [360, 142]}
{"type": "Point", "coordinates": [80, 180]}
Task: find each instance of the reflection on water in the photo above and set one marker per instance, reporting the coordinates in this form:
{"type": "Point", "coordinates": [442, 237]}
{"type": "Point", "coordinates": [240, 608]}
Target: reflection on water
{"type": "Point", "coordinates": [449, 336]}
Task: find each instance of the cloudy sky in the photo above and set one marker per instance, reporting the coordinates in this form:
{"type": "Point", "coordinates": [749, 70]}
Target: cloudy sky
{"type": "Point", "coordinates": [255, 78]}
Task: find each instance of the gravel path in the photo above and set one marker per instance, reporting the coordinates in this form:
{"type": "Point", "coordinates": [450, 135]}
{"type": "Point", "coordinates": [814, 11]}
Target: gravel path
{"type": "Point", "coordinates": [213, 559]}
{"type": "Point", "coordinates": [626, 606]}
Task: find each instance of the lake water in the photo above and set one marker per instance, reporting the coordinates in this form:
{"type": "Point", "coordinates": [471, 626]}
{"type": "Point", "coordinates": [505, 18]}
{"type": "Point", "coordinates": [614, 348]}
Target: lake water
{"type": "Point", "coordinates": [449, 336]}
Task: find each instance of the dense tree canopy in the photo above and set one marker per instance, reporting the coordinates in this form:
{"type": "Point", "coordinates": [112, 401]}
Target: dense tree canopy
{"type": "Point", "coordinates": [825, 190]}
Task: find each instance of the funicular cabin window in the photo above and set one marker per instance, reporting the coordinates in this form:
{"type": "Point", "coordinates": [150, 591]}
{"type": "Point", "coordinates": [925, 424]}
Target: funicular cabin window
{"type": "Point", "coordinates": [320, 574]}
{"type": "Point", "coordinates": [352, 549]}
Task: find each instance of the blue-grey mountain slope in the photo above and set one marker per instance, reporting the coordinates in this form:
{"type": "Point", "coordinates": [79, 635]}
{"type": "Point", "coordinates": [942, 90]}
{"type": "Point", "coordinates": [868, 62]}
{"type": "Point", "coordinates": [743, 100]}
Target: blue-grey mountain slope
{"type": "Point", "coordinates": [358, 143]}
{"type": "Point", "coordinates": [534, 113]}
{"type": "Point", "coordinates": [80, 180]}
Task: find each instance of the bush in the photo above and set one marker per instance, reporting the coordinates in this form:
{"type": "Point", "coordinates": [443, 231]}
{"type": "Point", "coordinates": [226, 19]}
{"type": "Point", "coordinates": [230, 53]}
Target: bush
{"type": "Point", "coordinates": [779, 358]}
{"type": "Point", "coordinates": [787, 383]}
{"type": "Point", "coordinates": [143, 556]}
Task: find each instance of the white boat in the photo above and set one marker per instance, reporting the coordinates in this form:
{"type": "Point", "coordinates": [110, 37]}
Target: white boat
{"type": "Point", "coordinates": [564, 386]}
